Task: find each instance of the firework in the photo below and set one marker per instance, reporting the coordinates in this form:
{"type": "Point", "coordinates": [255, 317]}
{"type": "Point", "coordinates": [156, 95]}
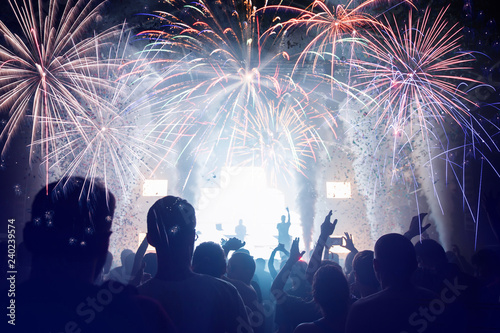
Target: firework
{"type": "Point", "coordinates": [282, 138]}
{"type": "Point", "coordinates": [117, 136]}
{"type": "Point", "coordinates": [418, 81]}
{"type": "Point", "coordinates": [417, 72]}
{"type": "Point", "coordinates": [330, 28]}
{"type": "Point", "coordinates": [214, 61]}
{"type": "Point", "coordinates": [45, 72]}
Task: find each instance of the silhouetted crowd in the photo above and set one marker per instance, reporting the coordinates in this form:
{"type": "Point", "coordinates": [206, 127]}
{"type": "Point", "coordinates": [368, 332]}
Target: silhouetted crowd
{"type": "Point", "coordinates": [394, 287]}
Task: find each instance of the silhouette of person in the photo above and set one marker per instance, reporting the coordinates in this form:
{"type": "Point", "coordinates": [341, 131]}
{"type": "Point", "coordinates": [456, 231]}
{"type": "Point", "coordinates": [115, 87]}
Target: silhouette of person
{"type": "Point", "coordinates": [68, 237]}
{"type": "Point", "coordinates": [400, 306]}
{"type": "Point", "coordinates": [195, 302]}
{"type": "Point", "coordinates": [365, 281]}
{"type": "Point", "coordinates": [209, 259]}
{"type": "Point", "coordinates": [283, 230]}
{"type": "Point", "coordinates": [240, 231]}
{"type": "Point", "coordinates": [331, 293]}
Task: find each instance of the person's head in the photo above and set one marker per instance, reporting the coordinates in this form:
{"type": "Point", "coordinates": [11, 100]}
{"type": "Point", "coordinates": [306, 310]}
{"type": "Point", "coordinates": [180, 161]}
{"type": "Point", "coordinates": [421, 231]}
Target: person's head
{"type": "Point", "coordinates": [362, 266]}
{"type": "Point", "coordinates": [171, 229]}
{"type": "Point", "coordinates": [331, 291]}
{"type": "Point", "coordinates": [209, 259]}
{"type": "Point", "coordinates": [71, 223]}
{"type": "Point", "coordinates": [430, 255]}
{"type": "Point", "coordinates": [240, 222]}
{"type": "Point", "coordinates": [124, 254]}
{"type": "Point", "coordinates": [241, 266]}
{"type": "Point", "coordinates": [128, 264]}
{"type": "Point", "coordinates": [394, 260]}
{"type": "Point", "coordinates": [260, 264]}
{"type": "Point", "coordinates": [348, 262]}
{"type": "Point", "coordinates": [283, 219]}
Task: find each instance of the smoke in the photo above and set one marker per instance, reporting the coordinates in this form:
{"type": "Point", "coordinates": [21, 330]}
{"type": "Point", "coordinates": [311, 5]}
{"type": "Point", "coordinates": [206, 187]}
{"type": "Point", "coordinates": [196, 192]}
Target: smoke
{"type": "Point", "coordinates": [430, 174]}
{"type": "Point", "coordinates": [306, 202]}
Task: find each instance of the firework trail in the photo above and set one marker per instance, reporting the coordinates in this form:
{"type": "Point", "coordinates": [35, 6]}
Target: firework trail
{"type": "Point", "coordinates": [116, 137]}
{"type": "Point", "coordinates": [329, 27]}
{"type": "Point", "coordinates": [214, 59]}
{"type": "Point", "coordinates": [220, 91]}
{"type": "Point", "coordinates": [45, 71]}
{"type": "Point", "coordinates": [414, 75]}
{"type": "Point", "coordinates": [284, 139]}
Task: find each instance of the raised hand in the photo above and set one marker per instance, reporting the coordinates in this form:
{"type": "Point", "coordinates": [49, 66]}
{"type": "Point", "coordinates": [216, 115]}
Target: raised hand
{"type": "Point", "coordinates": [295, 253]}
{"type": "Point", "coordinates": [328, 228]}
{"type": "Point", "coordinates": [233, 244]}
{"type": "Point", "coordinates": [416, 226]}
{"type": "Point", "coordinates": [349, 244]}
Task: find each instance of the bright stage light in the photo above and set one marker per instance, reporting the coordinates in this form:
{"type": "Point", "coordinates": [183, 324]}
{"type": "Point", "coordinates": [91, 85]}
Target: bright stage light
{"type": "Point", "coordinates": [243, 193]}
{"type": "Point", "coordinates": [155, 188]}
{"type": "Point", "coordinates": [338, 190]}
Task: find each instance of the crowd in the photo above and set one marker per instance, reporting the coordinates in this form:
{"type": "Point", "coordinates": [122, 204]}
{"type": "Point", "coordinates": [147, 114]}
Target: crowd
{"type": "Point", "coordinates": [394, 287]}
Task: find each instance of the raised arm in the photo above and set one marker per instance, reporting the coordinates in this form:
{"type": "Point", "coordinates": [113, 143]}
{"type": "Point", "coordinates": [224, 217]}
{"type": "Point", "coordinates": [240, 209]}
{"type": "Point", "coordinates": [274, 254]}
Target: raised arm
{"type": "Point", "coordinates": [416, 227]}
{"type": "Point", "coordinates": [327, 229]}
{"type": "Point", "coordinates": [349, 244]}
{"type": "Point", "coordinates": [270, 263]}
{"type": "Point", "coordinates": [282, 277]}
{"type": "Point", "coordinates": [232, 244]}
{"type": "Point", "coordinates": [136, 274]}
{"type": "Point", "coordinates": [288, 212]}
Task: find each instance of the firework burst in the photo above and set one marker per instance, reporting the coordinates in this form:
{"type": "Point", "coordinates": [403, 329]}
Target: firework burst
{"type": "Point", "coordinates": [415, 73]}
{"type": "Point", "coordinates": [50, 67]}
{"type": "Point", "coordinates": [282, 138]}
{"type": "Point", "coordinates": [117, 136]}
{"type": "Point", "coordinates": [418, 80]}
{"type": "Point", "coordinates": [335, 31]}
{"type": "Point", "coordinates": [214, 61]}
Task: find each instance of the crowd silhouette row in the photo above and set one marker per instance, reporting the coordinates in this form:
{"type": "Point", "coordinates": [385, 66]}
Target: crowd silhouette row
{"type": "Point", "coordinates": [219, 287]}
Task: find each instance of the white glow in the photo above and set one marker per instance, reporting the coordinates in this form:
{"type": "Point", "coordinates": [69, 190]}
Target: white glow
{"type": "Point", "coordinates": [338, 190]}
{"type": "Point", "coordinates": [243, 193]}
{"type": "Point", "coordinates": [155, 188]}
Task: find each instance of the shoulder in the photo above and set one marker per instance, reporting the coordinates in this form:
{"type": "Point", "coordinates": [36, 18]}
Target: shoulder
{"type": "Point", "coordinates": [369, 300]}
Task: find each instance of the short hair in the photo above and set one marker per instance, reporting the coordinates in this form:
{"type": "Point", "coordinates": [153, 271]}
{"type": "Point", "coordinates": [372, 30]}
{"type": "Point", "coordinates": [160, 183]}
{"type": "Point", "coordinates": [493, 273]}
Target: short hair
{"type": "Point", "coordinates": [431, 253]}
{"type": "Point", "coordinates": [242, 264]}
{"type": "Point", "coordinates": [362, 265]}
{"type": "Point", "coordinates": [331, 290]}
{"type": "Point", "coordinates": [171, 217]}
{"type": "Point", "coordinates": [209, 258]}
{"type": "Point", "coordinates": [396, 256]}
{"type": "Point", "coordinates": [71, 218]}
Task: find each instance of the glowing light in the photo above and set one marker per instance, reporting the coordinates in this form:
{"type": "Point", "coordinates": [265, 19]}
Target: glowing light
{"type": "Point", "coordinates": [155, 188]}
{"type": "Point", "coordinates": [338, 190]}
